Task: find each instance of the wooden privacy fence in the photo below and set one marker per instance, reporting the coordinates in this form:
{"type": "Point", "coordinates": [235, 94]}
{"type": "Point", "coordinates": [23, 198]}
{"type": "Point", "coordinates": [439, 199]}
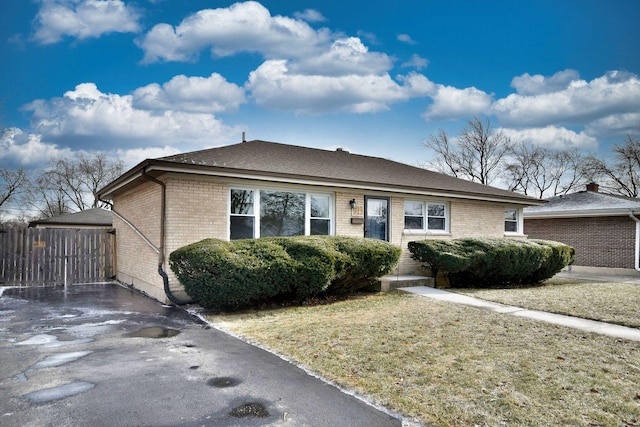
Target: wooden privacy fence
{"type": "Point", "coordinates": [55, 256]}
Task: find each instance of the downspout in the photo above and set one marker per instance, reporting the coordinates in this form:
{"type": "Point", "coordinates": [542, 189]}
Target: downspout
{"type": "Point", "coordinates": [637, 257]}
{"type": "Point", "coordinates": [163, 209]}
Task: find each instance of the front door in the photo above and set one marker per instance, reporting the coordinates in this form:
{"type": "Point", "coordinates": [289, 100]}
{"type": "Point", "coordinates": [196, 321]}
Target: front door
{"type": "Point", "coordinates": [377, 218]}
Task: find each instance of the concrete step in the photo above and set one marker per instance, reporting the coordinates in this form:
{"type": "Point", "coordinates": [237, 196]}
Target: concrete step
{"type": "Point", "coordinates": [393, 281]}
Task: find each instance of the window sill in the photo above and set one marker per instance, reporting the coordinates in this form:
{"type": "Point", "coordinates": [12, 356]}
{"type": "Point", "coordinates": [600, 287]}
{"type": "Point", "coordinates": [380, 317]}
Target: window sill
{"type": "Point", "coordinates": [425, 233]}
{"type": "Point", "coordinates": [513, 234]}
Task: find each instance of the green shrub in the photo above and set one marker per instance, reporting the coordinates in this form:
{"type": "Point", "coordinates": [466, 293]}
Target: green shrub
{"type": "Point", "coordinates": [366, 260]}
{"type": "Point", "coordinates": [216, 273]}
{"type": "Point", "coordinates": [492, 262]}
{"type": "Point", "coordinates": [244, 273]}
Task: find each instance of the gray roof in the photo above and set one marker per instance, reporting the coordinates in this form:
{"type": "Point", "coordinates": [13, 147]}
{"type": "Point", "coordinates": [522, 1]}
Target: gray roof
{"type": "Point", "coordinates": [584, 203]}
{"type": "Point", "coordinates": [89, 217]}
{"type": "Point", "coordinates": [339, 168]}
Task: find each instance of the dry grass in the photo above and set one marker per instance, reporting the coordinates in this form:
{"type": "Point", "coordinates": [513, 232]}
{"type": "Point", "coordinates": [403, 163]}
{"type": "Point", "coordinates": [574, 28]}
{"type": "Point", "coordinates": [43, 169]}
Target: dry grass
{"type": "Point", "coordinates": [449, 365]}
{"type": "Point", "coordinates": [614, 302]}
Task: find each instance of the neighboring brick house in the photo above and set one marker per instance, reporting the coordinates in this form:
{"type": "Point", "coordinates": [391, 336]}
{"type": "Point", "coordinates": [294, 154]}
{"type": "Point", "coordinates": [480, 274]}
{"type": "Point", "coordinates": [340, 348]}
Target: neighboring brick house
{"type": "Point", "coordinates": [258, 188]}
{"type": "Point", "coordinates": [603, 228]}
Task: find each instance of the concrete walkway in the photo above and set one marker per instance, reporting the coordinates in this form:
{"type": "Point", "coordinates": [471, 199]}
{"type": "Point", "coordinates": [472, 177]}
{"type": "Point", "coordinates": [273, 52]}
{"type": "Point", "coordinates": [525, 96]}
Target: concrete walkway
{"type": "Point", "coordinates": [618, 331]}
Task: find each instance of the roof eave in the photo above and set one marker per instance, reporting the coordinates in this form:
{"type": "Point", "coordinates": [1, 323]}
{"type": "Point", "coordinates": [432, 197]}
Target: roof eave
{"type": "Point", "coordinates": [164, 166]}
{"type": "Point", "coordinates": [582, 213]}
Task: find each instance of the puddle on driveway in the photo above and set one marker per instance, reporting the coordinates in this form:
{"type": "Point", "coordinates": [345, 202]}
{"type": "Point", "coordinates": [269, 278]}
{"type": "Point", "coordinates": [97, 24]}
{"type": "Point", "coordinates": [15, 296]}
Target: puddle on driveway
{"type": "Point", "coordinates": [59, 359]}
{"type": "Point", "coordinates": [154, 332]}
{"type": "Point", "coordinates": [51, 341]}
{"type": "Point", "coordinates": [250, 409]}
{"type": "Point", "coordinates": [57, 393]}
{"type": "Point", "coordinates": [222, 382]}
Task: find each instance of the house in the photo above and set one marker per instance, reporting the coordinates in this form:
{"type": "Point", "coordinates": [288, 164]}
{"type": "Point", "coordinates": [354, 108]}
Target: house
{"type": "Point", "coordinates": [256, 188]}
{"type": "Point", "coordinates": [89, 218]}
{"type": "Point", "coordinates": [603, 228]}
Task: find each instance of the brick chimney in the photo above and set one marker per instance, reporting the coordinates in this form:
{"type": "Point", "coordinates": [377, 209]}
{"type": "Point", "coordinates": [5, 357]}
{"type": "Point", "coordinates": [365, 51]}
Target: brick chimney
{"type": "Point", "coordinates": [592, 186]}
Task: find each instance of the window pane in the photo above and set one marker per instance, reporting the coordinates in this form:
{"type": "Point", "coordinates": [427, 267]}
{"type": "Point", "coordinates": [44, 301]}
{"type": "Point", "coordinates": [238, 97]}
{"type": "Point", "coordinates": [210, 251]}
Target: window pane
{"type": "Point", "coordinates": [413, 208]}
{"type": "Point", "coordinates": [436, 223]}
{"type": "Point", "coordinates": [413, 223]}
{"type": "Point", "coordinates": [510, 215]}
{"type": "Point", "coordinates": [242, 202]}
{"type": "Point", "coordinates": [320, 207]}
{"type": "Point", "coordinates": [436, 210]}
{"type": "Point", "coordinates": [241, 227]}
{"type": "Point", "coordinates": [281, 213]}
{"type": "Point", "coordinates": [511, 226]}
{"type": "Point", "coordinates": [319, 227]}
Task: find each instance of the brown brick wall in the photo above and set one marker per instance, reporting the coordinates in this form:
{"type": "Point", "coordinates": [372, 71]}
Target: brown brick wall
{"type": "Point", "coordinates": [598, 241]}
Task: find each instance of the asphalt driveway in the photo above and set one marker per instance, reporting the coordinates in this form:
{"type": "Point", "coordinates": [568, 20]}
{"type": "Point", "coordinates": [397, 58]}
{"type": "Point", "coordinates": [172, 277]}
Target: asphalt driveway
{"type": "Point", "coordinates": [103, 355]}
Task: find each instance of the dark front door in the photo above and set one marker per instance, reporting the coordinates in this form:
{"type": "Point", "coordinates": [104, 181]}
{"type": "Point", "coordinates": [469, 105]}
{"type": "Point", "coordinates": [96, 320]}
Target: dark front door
{"type": "Point", "coordinates": [377, 218]}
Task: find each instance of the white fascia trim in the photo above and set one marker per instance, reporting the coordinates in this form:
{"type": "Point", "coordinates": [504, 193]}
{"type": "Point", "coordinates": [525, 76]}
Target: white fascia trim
{"type": "Point", "coordinates": [580, 213]}
{"type": "Point", "coordinates": [338, 185]}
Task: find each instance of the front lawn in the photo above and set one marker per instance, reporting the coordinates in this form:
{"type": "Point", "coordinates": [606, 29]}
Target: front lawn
{"type": "Point", "coordinates": [450, 365]}
{"type": "Point", "coordinates": [614, 302]}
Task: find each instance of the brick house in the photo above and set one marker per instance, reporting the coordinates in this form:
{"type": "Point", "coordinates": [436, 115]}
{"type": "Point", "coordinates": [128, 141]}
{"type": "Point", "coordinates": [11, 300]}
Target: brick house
{"type": "Point", "coordinates": [257, 188]}
{"type": "Point", "coordinates": [603, 228]}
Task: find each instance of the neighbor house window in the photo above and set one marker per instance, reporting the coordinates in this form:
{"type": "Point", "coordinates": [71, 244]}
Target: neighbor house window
{"type": "Point", "coordinates": [261, 213]}
{"type": "Point", "coordinates": [511, 220]}
{"type": "Point", "coordinates": [425, 216]}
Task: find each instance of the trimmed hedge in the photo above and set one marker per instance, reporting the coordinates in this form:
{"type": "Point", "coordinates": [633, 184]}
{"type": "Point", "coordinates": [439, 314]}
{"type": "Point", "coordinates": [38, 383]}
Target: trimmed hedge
{"type": "Point", "coordinates": [492, 262]}
{"type": "Point", "coordinates": [250, 272]}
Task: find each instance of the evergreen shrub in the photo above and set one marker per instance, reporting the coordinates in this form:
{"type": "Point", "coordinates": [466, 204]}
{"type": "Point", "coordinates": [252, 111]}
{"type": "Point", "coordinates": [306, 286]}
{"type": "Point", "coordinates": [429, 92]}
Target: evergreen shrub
{"type": "Point", "coordinates": [492, 262]}
{"type": "Point", "coordinates": [250, 272]}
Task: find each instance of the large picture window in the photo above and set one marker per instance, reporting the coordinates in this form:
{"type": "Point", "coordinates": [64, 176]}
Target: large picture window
{"type": "Point", "coordinates": [281, 213]}
{"type": "Point", "coordinates": [257, 213]}
{"type": "Point", "coordinates": [426, 216]}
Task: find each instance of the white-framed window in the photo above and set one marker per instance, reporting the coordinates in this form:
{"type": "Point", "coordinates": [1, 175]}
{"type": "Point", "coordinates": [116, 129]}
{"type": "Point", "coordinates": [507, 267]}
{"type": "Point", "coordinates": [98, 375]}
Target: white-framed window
{"type": "Point", "coordinates": [511, 221]}
{"type": "Point", "coordinates": [426, 216]}
{"type": "Point", "coordinates": [257, 213]}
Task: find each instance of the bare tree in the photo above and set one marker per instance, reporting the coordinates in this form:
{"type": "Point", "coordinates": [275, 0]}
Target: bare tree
{"type": "Point", "coordinates": [621, 175]}
{"type": "Point", "coordinates": [12, 185]}
{"type": "Point", "coordinates": [541, 172]}
{"type": "Point", "coordinates": [71, 184]}
{"type": "Point", "coordinates": [477, 154]}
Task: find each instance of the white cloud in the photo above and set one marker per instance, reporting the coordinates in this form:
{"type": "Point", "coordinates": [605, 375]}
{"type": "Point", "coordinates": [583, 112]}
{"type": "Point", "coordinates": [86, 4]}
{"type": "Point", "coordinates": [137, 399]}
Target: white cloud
{"type": "Point", "coordinates": [452, 103]}
{"type": "Point", "coordinates": [405, 38]}
{"type": "Point", "coordinates": [579, 103]}
{"type": "Point", "coordinates": [83, 19]}
{"type": "Point", "coordinates": [310, 15]}
{"type": "Point", "coordinates": [242, 27]}
{"type": "Point", "coordinates": [27, 150]}
{"type": "Point", "coordinates": [274, 86]}
{"type": "Point", "coordinates": [552, 137]}
{"type": "Point", "coordinates": [537, 84]}
{"type": "Point", "coordinates": [416, 62]}
{"type": "Point", "coordinates": [345, 56]}
{"type": "Point", "coordinates": [615, 125]}
{"type": "Point", "coordinates": [87, 117]}
{"type": "Point", "coordinates": [133, 156]}
{"type": "Point", "coordinates": [211, 94]}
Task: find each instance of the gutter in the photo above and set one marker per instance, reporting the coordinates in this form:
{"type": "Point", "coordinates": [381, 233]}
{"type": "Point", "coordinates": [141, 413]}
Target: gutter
{"type": "Point", "coordinates": [161, 257]}
{"type": "Point", "coordinates": [637, 257]}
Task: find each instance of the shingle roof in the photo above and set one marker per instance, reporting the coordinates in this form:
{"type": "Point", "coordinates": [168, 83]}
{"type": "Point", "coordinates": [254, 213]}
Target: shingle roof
{"type": "Point", "coordinates": [584, 203]}
{"type": "Point", "coordinates": [339, 167]}
{"type": "Point", "coordinates": [89, 217]}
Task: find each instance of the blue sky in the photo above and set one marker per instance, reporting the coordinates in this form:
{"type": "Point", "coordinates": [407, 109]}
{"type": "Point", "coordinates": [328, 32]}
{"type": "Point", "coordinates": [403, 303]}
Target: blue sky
{"type": "Point", "coordinates": [147, 78]}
